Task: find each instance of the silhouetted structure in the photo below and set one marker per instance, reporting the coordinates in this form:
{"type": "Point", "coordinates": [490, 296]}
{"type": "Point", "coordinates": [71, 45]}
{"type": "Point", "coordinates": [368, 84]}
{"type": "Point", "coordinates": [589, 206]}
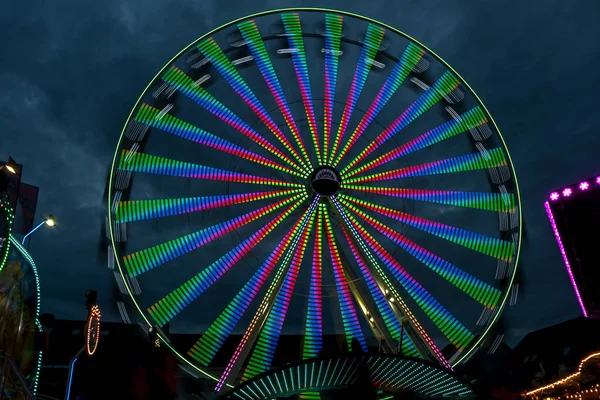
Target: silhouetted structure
{"type": "Point", "coordinates": [554, 352]}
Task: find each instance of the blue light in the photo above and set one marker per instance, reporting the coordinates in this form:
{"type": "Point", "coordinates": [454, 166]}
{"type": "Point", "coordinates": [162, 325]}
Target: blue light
{"type": "Point", "coordinates": [70, 378]}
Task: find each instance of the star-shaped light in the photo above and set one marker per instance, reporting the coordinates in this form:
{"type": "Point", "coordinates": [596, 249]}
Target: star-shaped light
{"type": "Point", "coordinates": [567, 192]}
{"type": "Point", "coordinates": [554, 196]}
{"type": "Point", "coordinates": [584, 186]}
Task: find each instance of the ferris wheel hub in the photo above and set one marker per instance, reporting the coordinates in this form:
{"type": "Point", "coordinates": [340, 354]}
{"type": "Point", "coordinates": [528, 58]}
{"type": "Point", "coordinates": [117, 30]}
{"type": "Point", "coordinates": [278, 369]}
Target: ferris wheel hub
{"type": "Point", "coordinates": [325, 180]}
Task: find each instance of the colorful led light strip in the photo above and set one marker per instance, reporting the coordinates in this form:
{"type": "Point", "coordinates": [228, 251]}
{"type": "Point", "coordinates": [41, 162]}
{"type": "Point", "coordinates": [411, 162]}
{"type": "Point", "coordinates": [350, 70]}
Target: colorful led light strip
{"type": "Point", "coordinates": [444, 85]}
{"type": "Point", "coordinates": [477, 289]}
{"type": "Point", "coordinates": [167, 308]}
{"type": "Point", "coordinates": [408, 60]}
{"type": "Point", "coordinates": [563, 253]}
{"type": "Point", "coordinates": [469, 162]}
{"type": "Point", "coordinates": [255, 43]}
{"type": "Point", "coordinates": [152, 117]}
{"type": "Point", "coordinates": [219, 60]}
{"type": "Point", "coordinates": [392, 323]}
{"type": "Point", "coordinates": [448, 324]}
{"type": "Point", "coordinates": [149, 164]}
{"type": "Point", "coordinates": [369, 50]}
{"type": "Point", "coordinates": [349, 317]}
{"type": "Point", "coordinates": [293, 29]}
{"type": "Point", "coordinates": [313, 330]}
{"type": "Point", "coordinates": [180, 81]}
{"type": "Point", "coordinates": [477, 200]}
{"type": "Point", "coordinates": [268, 296]}
{"type": "Point", "coordinates": [143, 261]}
{"type": "Point", "coordinates": [333, 38]}
{"type": "Point", "coordinates": [207, 346]}
{"type": "Point", "coordinates": [138, 210]}
{"type": "Point", "coordinates": [363, 235]}
{"type": "Point", "coordinates": [469, 120]}
{"type": "Point", "coordinates": [491, 246]}
{"type": "Point", "coordinates": [264, 351]}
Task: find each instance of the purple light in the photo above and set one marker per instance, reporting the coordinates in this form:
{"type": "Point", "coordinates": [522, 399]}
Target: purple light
{"type": "Point", "coordinates": [554, 196]}
{"type": "Point", "coordinates": [564, 256]}
{"type": "Point", "coordinates": [567, 192]}
{"type": "Point", "coordinates": [584, 186]}
{"type": "Point", "coordinates": [598, 179]}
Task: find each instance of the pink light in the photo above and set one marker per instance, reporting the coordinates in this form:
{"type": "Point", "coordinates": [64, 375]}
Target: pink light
{"type": "Point", "coordinates": [554, 196]}
{"type": "Point", "coordinates": [564, 256]}
{"type": "Point", "coordinates": [584, 186]}
{"type": "Point", "coordinates": [598, 179]}
{"type": "Point", "coordinates": [567, 192]}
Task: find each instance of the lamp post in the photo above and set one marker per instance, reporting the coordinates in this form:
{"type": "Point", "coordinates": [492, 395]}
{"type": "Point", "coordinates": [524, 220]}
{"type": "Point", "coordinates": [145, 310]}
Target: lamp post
{"type": "Point", "coordinates": [9, 168]}
{"type": "Point", "coordinates": [5, 169]}
{"type": "Point", "coordinates": [48, 221]}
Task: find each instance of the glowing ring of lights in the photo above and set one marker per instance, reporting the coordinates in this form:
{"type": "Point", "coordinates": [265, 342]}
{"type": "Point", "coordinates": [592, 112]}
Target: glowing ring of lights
{"type": "Point", "coordinates": [245, 95]}
{"type": "Point", "coordinates": [92, 330]}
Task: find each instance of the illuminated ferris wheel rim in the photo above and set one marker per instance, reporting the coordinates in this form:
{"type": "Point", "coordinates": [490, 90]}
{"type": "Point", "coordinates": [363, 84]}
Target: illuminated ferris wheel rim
{"type": "Point", "coordinates": [505, 295]}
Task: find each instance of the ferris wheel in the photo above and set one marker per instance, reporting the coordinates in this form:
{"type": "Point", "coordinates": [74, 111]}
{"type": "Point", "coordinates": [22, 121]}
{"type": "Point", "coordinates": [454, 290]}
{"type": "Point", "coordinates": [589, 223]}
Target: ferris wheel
{"type": "Point", "coordinates": [316, 173]}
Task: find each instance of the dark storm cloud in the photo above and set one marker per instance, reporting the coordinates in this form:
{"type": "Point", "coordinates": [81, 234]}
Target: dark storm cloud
{"type": "Point", "coordinates": [71, 71]}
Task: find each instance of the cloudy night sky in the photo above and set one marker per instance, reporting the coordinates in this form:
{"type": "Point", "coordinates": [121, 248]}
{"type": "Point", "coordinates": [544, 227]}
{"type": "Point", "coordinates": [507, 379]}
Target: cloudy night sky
{"type": "Point", "coordinates": [71, 71]}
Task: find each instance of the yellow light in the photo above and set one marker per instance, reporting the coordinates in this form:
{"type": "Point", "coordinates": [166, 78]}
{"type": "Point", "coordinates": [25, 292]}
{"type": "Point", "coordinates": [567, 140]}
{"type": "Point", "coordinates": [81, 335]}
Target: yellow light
{"type": "Point", "coordinates": [50, 221]}
{"type": "Point", "coordinates": [10, 169]}
{"type": "Point", "coordinates": [567, 379]}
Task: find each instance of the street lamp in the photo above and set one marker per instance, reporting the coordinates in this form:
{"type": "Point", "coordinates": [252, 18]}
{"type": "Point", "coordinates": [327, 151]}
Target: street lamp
{"type": "Point", "coordinates": [9, 168]}
{"type": "Point", "coordinates": [50, 221]}
{"type": "Point", "coordinates": [4, 177]}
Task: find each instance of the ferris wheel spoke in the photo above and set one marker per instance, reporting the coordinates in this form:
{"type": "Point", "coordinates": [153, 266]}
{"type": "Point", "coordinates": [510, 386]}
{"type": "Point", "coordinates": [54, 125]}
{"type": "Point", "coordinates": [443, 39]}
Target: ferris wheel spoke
{"type": "Point", "coordinates": [333, 38]}
{"type": "Point", "coordinates": [219, 60]}
{"type": "Point", "coordinates": [425, 345]}
{"type": "Point", "coordinates": [266, 304]}
{"type": "Point", "coordinates": [369, 50]}
{"type": "Point", "coordinates": [211, 341]}
{"type": "Point", "coordinates": [410, 345]}
{"type": "Point", "coordinates": [168, 307]}
{"type": "Point", "coordinates": [442, 87]}
{"type": "Point", "coordinates": [477, 289]}
{"type": "Point", "coordinates": [254, 41]}
{"type": "Point", "coordinates": [469, 162]}
{"type": "Point", "coordinates": [313, 328]}
{"type": "Point", "coordinates": [153, 117]}
{"type": "Point", "coordinates": [392, 323]}
{"type": "Point", "coordinates": [350, 321]}
{"type": "Point", "coordinates": [494, 247]}
{"type": "Point", "coordinates": [138, 210]}
{"type": "Point", "coordinates": [150, 164]}
{"type": "Point", "coordinates": [465, 122]}
{"type": "Point", "coordinates": [177, 79]}
{"type": "Point", "coordinates": [264, 351]}
{"type": "Point", "coordinates": [477, 200]}
{"type": "Point", "coordinates": [293, 30]}
{"type": "Point", "coordinates": [145, 260]}
{"type": "Point", "coordinates": [409, 59]}
{"type": "Point", "coordinates": [453, 329]}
